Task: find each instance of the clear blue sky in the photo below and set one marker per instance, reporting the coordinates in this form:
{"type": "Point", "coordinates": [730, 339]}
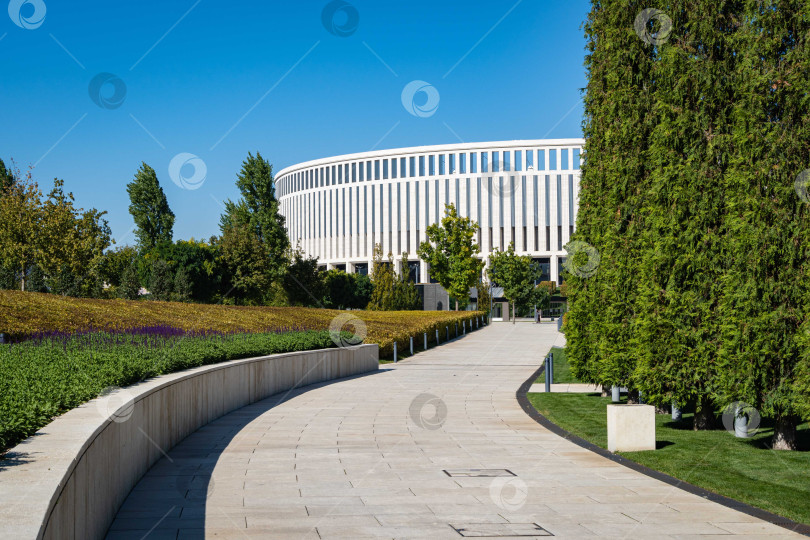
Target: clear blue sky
{"type": "Point", "coordinates": [192, 69]}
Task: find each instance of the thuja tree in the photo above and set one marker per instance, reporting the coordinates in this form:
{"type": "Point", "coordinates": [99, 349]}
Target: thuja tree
{"type": "Point", "coordinates": [617, 126]}
{"type": "Point", "coordinates": [680, 280]}
{"type": "Point", "coordinates": [765, 348]}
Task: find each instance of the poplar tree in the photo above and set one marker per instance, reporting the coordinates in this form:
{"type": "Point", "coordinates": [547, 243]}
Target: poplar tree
{"type": "Point", "coordinates": [149, 207]}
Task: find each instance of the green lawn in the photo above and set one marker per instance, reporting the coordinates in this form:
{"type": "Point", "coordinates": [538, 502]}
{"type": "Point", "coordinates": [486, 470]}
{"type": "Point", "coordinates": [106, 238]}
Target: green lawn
{"type": "Point", "coordinates": [562, 371]}
{"type": "Point", "coordinates": [743, 469]}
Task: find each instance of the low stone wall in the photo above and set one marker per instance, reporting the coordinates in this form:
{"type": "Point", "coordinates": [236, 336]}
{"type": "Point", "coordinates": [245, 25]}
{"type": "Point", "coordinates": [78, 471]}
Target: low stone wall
{"type": "Point", "coordinates": [70, 478]}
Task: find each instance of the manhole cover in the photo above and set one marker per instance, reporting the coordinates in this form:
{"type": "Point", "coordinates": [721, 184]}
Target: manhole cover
{"type": "Point", "coordinates": [480, 530]}
{"type": "Point", "coordinates": [478, 473]}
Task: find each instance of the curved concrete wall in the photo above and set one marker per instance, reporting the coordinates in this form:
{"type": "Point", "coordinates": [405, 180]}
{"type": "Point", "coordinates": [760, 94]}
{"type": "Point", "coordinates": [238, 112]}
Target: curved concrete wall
{"type": "Point", "coordinates": [69, 479]}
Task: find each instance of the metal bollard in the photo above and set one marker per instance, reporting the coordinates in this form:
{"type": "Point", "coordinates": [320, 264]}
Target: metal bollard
{"type": "Point", "coordinates": [395, 352]}
{"type": "Point", "coordinates": [551, 366]}
{"type": "Point", "coordinates": [425, 340]}
{"type": "Point", "coordinates": [676, 412]}
{"type": "Point", "coordinates": [437, 336]}
{"type": "Point", "coordinates": [740, 423]}
{"type": "Point", "coordinates": [463, 328]}
{"type": "Point", "coordinates": [411, 345]}
{"type": "Point", "coordinates": [447, 332]}
{"type": "Point", "coordinates": [548, 379]}
{"type": "Point", "coordinates": [615, 394]}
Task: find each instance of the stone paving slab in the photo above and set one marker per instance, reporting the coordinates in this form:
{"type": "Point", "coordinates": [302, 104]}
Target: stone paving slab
{"type": "Point", "coordinates": [365, 458]}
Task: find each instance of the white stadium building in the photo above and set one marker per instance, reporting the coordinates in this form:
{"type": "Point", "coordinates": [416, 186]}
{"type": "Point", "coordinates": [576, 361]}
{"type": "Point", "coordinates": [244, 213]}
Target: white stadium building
{"type": "Point", "coordinates": [524, 192]}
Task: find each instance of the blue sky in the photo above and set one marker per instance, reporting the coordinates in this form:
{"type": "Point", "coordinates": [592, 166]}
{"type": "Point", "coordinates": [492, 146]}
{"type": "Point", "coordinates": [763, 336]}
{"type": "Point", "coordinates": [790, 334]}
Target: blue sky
{"type": "Point", "coordinates": [218, 80]}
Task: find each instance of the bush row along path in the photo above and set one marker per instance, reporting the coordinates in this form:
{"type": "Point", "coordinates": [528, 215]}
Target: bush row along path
{"type": "Point", "coordinates": [366, 457]}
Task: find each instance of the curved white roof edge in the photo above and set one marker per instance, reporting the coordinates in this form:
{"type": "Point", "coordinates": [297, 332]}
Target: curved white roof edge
{"type": "Point", "coordinates": [431, 148]}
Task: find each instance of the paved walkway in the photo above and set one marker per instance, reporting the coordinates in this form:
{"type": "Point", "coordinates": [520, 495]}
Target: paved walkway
{"type": "Point", "coordinates": [367, 457]}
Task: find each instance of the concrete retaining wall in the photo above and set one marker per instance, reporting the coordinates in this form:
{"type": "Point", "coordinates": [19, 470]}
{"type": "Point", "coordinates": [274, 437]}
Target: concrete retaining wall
{"type": "Point", "coordinates": [69, 479]}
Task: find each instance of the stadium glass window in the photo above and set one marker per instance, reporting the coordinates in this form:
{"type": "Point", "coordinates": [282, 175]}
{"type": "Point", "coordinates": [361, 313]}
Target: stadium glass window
{"type": "Point", "coordinates": [442, 159]}
{"type": "Point", "coordinates": [559, 200]}
{"type": "Point", "coordinates": [518, 160]}
{"type": "Point", "coordinates": [507, 161]}
{"type": "Point", "coordinates": [484, 162]}
{"type": "Point", "coordinates": [416, 201]}
{"type": "Point", "coordinates": [453, 168]}
{"type": "Point", "coordinates": [362, 170]}
{"type": "Point", "coordinates": [354, 172]}
{"type": "Point", "coordinates": [575, 158]}
{"type": "Point", "coordinates": [421, 165]}
{"type": "Point", "coordinates": [385, 169]}
{"type": "Point", "coordinates": [496, 165]}
{"type": "Point", "coordinates": [564, 159]}
{"type": "Point", "coordinates": [474, 162]}
{"type": "Point", "coordinates": [376, 169]}
{"type": "Point", "coordinates": [394, 168]}
{"type": "Point", "coordinates": [570, 199]}
{"type": "Point", "coordinates": [368, 170]}
{"type": "Point", "coordinates": [552, 159]}
{"type": "Point", "coordinates": [412, 166]}
{"type": "Point", "coordinates": [529, 159]}
{"type": "Point", "coordinates": [340, 174]}
{"type": "Point", "coordinates": [432, 165]}
{"type": "Point", "coordinates": [402, 172]}
{"type": "Point", "coordinates": [541, 160]}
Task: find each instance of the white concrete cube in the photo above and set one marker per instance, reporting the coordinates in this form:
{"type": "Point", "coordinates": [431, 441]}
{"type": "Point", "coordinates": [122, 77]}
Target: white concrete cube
{"type": "Point", "coordinates": [630, 428]}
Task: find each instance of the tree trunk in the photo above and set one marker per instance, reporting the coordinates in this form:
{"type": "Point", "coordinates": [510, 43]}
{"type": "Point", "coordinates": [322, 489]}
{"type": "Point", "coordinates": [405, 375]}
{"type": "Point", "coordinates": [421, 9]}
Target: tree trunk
{"type": "Point", "coordinates": [632, 396]}
{"type": "Point", "coordinates": [456, 305]}
{"type": "Point", "coordinates": [704, 415]}
{"type": "Point", "coordinates": [605, 391]}
{"type": "Point", "coordinates": [22, 279]}
{"type": "Point", "coordinates": [784, 433]}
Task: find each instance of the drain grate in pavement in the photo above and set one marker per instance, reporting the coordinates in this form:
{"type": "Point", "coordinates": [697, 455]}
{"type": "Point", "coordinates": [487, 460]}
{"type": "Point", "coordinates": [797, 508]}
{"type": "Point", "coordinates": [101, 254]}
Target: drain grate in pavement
{"type": "Point", "coordinates": [478, 473]}
{"type": "Point", "coordinates": [494, 530]}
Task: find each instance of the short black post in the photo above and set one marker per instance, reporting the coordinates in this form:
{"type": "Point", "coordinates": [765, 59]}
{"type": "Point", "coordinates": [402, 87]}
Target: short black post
{"type": "Point", "coordinates": [395, 352]}
{"type": "Point", "coordinates": [425, 340]}
{"type": "Point", "coordinates": [411, 345]}
{"type": "Point", "coordinates": [548, 379]}
{"type": "Point", "coordinates": [551, 366]}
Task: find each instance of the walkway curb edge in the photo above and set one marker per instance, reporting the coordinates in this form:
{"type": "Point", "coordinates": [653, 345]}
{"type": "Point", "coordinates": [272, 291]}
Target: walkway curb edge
{"type": "Point", "coordinates": [775, 519]}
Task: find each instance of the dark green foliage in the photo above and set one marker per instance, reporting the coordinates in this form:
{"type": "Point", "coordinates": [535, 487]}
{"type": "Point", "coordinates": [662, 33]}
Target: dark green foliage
{"type": "Point", "coordinates": [518, 276]}
{"type": "Point", "coordinates": [362, 290]}
{"type": "Point", "coordinates": [617, 126]}
{"type": "Point", "coordinates": [304, 282]}
{"type": "Point", "coordinates": [339, 288]}
{"type": "Point", "coordinates": [182, 285]}
{"type": "Point", "coordinates": [259, 209]}
{"type": "Point", "coordinates": [199, 260]}
{"type": "Point", "coordinates": [115, 263]}
{"type": "Point", "coordinates": [149, 207]}
{"type": "Point", "coordinates": [161, 280]}
{"type": "Point", "coordinates": [406, 297]}
{"type": "Point", "coordinates": [766, 307]}
{"type": "Point", "coordinates": [6, 177]}
{"type": "Point", "coordinates": [690, 195]}
{"type": "Point", "coordinates": [450, 251]}
{"type": "Point", "coordinates": [130, 283]}
{"type": "Point", "coordinates": [43, 380]}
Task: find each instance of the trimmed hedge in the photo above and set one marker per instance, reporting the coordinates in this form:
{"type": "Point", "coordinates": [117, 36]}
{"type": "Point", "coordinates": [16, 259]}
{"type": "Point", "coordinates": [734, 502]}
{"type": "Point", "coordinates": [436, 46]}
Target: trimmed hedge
{"type": "Point", "coordinates": [45, 378]}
